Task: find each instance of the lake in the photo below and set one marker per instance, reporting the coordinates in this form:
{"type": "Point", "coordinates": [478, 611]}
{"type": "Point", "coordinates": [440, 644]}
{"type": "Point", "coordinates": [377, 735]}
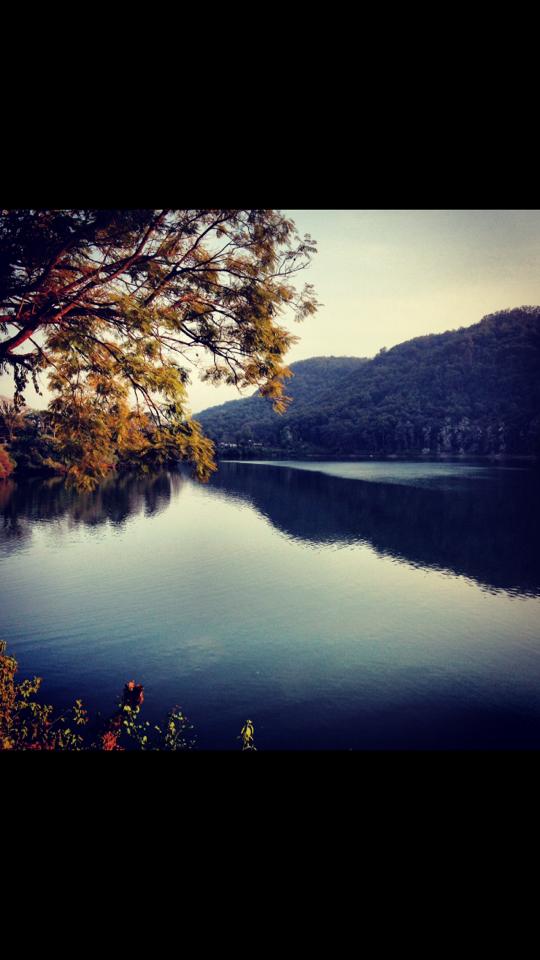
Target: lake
{"type": "Point", "coordinates": [373, 605]}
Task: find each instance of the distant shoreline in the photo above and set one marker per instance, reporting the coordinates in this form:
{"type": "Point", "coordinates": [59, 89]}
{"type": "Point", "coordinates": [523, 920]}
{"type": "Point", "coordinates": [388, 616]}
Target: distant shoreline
{"type": "Point", "coordinates": [361, 458]}
{"type": "Point", "coordinates": [494, 459]}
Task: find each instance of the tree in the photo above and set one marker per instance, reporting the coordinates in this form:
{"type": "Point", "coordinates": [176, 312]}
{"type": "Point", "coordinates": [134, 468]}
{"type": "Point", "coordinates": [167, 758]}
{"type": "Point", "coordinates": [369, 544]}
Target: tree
{"type": "Point", "coordinates": [6, 463]}
{"type": "Point", "coordinates": [11, 420]}
{"type": "Point", "coordinates": [115, 304]}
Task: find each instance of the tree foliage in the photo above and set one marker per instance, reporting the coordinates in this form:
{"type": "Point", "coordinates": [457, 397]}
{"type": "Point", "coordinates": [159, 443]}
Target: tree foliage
{"type": "Point", "coordinates": [6, 463]}
{"type": "Point", "coordinates": [119, 305]}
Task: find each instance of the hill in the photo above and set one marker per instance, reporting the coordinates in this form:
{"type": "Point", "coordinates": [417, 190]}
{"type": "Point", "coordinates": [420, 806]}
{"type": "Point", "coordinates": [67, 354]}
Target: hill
{"type": "Point", "coordinates": [254, 418]}
{"type": "Point", "coordinates": [475, 390]}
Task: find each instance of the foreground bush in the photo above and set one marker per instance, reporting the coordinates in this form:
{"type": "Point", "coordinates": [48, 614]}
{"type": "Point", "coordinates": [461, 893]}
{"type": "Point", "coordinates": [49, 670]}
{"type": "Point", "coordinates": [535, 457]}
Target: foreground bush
{"type": "Point", "coordinates": [27, 724]}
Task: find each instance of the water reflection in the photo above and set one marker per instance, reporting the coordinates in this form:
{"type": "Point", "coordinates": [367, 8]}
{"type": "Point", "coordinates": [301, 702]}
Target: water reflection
{"type": "Point", "coordinates": [24, 504]}
{"type": "Point", "coordinates": [189, 591]}
{"type": "Point", "coordinates": [487, 531]}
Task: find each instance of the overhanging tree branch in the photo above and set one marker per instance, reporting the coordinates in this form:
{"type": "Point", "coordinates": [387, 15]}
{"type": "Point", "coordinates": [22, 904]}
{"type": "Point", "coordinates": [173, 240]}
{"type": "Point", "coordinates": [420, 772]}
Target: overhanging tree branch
{"type": "Point", "coordinates": [144, 287]}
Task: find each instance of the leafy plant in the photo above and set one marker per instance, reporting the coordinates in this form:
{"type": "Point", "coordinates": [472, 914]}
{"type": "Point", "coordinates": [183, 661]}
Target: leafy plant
{"type": "Point", "coordinates": [246, 736]}
{"type": "Point", "coordinates": [27, 724]}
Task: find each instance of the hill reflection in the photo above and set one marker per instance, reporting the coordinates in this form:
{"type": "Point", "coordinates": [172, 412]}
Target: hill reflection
{"type": "Point", "coordinates": [487, 530]}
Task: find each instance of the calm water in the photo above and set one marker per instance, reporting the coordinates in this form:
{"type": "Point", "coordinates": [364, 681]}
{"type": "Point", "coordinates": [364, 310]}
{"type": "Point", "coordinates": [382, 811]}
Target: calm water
{"type": "Point", "coordinates": [339, 606]}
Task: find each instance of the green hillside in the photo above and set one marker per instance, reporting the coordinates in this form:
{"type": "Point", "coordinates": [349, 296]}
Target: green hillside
{"type": "Point", "coordinates": [475, 390]}
{"type": "Point", "coordinates": [254, 417]}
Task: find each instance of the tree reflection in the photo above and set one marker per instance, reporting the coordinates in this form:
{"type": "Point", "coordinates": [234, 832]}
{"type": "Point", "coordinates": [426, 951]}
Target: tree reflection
{"type": "Point", "coordinates": [115, 501]}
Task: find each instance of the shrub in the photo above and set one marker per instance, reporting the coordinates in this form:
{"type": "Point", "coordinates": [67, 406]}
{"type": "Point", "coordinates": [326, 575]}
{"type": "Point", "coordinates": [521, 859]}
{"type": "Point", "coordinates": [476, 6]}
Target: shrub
{"type": "Point", "coordinates": [27, 724]}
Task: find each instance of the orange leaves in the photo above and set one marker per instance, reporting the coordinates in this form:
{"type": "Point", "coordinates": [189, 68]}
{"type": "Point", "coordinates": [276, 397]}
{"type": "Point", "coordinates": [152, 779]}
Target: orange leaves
{"type": "Point", "coordinates": [122, 297]}
{"type": "Point", "coordinates": [7, 465]}
{"type": "Point", "coordinates": [109, 740]}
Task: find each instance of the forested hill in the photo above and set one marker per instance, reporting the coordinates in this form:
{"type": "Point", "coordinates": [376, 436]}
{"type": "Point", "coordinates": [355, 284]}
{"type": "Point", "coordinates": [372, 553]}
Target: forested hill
{"type": "Point", "coordinates": [475, 390]}
{"type": "Point", "coordinates": [243, 420]}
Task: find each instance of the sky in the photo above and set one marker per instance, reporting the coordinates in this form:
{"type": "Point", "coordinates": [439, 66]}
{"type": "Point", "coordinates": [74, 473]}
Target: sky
{"type": "Point", "coordinates": [385, 276]}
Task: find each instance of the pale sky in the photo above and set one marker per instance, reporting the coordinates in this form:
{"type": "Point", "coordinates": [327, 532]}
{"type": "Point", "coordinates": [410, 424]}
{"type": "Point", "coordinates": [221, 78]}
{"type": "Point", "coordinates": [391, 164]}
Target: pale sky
{"type": "Point", "coordinates": [384, 276]}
